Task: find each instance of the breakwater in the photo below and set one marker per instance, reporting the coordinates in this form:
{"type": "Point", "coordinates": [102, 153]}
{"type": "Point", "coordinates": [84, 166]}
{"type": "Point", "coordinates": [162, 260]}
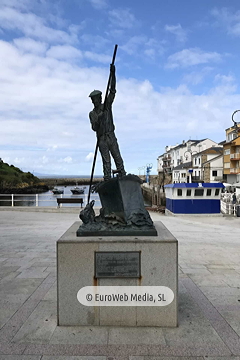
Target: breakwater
{"type": "Point", "coordinates": [69, 181]}
{"type": "Point", "coordinates": [34, 189]}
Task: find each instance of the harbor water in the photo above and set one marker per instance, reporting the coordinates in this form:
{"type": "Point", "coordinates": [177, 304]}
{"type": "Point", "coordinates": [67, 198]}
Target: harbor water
{"type": "Point", "coordinates": [48, 198]}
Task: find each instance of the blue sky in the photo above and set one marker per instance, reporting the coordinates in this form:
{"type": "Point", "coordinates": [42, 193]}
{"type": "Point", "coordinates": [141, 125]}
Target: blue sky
{"type": "Point", "coordinates": [177, 72]}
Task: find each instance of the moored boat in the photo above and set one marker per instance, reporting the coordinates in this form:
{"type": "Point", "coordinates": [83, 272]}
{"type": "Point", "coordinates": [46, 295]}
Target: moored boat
{"type": "Point", "coordinates": [77, 190]}
{"type": "Point", "coordinates": [57, 191]}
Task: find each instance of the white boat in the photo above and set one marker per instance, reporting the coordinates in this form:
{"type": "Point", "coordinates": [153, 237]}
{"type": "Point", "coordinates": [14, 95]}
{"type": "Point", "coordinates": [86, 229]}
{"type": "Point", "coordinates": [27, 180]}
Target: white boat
{"type": "Point", "coordinates": [77, 190]}
{"type": "Point", "coordinates": [57, 191]}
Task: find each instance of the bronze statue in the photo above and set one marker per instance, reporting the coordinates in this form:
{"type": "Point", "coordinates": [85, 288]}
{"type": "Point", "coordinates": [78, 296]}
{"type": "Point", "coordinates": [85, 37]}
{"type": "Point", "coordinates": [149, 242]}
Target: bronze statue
{"type": "Point", "coordinates": [123, 211]}
{"type": "Point", "coordinates": [101, 118]}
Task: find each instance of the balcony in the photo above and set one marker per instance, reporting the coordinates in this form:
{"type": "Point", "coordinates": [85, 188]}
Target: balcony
{"type": "Point", "coordinates": [235, 156]}
{"type": "Point", "coordinates": [234, 170]}
{"type": "Point", "coordinates": [166, 157]}
{"type": "Point", "coordinates": [197, 179]}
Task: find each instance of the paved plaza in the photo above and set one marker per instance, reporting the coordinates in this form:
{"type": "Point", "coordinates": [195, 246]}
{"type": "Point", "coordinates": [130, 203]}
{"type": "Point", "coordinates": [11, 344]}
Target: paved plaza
{"type": "Point", "coordinates": [209, 295]}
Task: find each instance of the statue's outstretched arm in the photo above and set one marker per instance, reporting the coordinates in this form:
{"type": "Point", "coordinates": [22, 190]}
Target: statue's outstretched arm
{"type": "Point", "coordinates": [112, 92]}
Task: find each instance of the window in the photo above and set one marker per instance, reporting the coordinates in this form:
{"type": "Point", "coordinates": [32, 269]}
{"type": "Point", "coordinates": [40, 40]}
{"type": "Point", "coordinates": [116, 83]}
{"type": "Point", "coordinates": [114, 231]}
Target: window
{"type": "Point", "coordinates": [214, 173]}
{"type": "Point", "coordinates": [231, 136]}
{"type": "Point", "coordinates": [227, 165]}
{"type": "Point", "coordinates": [189, 192]}
{"type": "Point", "coordinates": [216, 192]}
{"type": "Point", "coordinates": [195, 161]}
{"type": "Point", "coordinates": [183, 175]}
{"type": "Point", "coordinates": [226, 151]}
{"type": "Point", "coordinates": [179, 192]}
{"type": "Point", "coordinates": [198, 192]}
{"type": "Point", "coordinates": [199, 160]}
{"type": "Point", "coordinates": [209, 192]}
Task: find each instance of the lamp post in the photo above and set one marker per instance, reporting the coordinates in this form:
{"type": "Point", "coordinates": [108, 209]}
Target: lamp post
{"type": "Point", "coordinates": [148, 170]}
{"type": "Point", "coordinates": [236, 128]}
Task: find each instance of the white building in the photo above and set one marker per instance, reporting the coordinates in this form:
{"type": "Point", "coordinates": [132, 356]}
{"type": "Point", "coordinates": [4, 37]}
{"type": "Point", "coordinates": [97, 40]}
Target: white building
{"type": "Point", "coordinates": [181, 153]}
{"type": "Point", "coordinates": [206, 166]}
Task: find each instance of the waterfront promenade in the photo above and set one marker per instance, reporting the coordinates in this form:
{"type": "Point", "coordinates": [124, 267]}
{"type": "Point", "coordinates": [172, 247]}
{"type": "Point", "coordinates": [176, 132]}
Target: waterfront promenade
{"type": "Point", "coordinates": [209, 294]}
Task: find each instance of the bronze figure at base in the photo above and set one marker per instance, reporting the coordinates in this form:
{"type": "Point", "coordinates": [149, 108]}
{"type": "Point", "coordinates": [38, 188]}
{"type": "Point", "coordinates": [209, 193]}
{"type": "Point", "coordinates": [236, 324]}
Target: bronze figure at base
{"type": "Point", "coordinates": [122, 213]}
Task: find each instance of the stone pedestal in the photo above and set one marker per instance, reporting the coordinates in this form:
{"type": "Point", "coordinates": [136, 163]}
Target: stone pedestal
{"type": "Point", "coordinates": [75, 270]}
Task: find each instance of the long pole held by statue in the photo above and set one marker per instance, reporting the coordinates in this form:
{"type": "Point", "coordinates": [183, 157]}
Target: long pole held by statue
{"type": "Point", "coordinates": [104, 106]}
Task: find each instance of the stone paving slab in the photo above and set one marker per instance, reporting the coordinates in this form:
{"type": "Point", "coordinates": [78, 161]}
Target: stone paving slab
{"type": "Point", "coordinates": [80, 335]}
{"type": "Point", "coordinates": [183, 358]}
{"type": "Point", "coordinates": [136, 336]}
{"type": "Point", "coordinates": [20, 357]}
{"type": "Point", "coordinates": [39, 326]}
{"type": "Point", "coordinates": [74, 358]}
{"type": "Point", "coordinates": [209, 290]}
{"type": "Point", "coordinates": [166, 358]}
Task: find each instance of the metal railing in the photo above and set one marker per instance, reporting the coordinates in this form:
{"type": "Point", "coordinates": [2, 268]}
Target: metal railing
{"type": "Point", "coordinates": [13, 198]}
{"type": "Point", "coordinates": [37, 199]}
{"type": "Point", "coordinates": [228, 208]}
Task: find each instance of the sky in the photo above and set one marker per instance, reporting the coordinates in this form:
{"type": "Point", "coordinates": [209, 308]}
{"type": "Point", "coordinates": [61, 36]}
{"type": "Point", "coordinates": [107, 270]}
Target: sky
{"type": "Point", "coordinates": [177, 69]}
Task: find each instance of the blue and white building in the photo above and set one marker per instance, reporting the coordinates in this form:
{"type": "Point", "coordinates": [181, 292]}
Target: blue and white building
{"type": "Point", "coordinates": [193, 198]}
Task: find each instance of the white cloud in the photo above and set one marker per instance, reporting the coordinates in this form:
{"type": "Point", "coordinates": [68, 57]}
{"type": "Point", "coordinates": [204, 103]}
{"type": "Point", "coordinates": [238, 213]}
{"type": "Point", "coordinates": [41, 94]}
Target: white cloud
{"type": "Point", "coordinates": [190, 57]}
{"type": "Point", "coordinates": [143, 46]}
{"type": "Point", "coordinates": [178, 31]}
{"type": "Point", "coordinates": [102, 58]}
{"type": "Point", "coordinates": [18, 161]}
{"type": "Point", "coordinates": [44, 160]}
{"type": "Point", "coordinates": [98, 4]}
{"type": "Point", "coordinates": [122, 18]}
{"type": "Point", "coordinates": [52, 148]}
{"type": "Point", "coordinates": [32, 25]}
{"type": "Point", "coordinates": [95, 42]}
{"type": "Point", "coordinates": [197, 77]}
{"type": "Point", "coordinates": [67, 52]}
{"type": "Point", "coordinates": [224, 79]}
{"type": "Point", "coordinates": [230, 20]}
{"type": "Point", "coordinates": [30, 45]}
{"type": "Point", "coordinates": [90, 156]}
{"type": "Point", "coordinates": [64, 52]}
{"type": "Point", "coordinates": [23, 4]}
{"type": "Point", "coordinates": [67, 159]}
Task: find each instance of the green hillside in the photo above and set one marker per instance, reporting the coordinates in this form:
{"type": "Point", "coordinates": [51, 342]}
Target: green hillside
{"type": "Point", "coordinates": [13, 177]}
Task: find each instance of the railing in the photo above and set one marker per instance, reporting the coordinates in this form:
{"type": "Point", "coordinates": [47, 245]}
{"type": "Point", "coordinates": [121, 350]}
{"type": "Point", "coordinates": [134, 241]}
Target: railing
{"type": "Point", "coordinates": [197, 178]}
{"type": "Point", "coordinates": [13, 198]}
{"type": "Point", "coordinates": [38, 199]}
{"type": "Point", "coordinates": [228, 208]}
{"type": "Point", "coordinates": [218, 178]}
{"type": "Point", "coordinates": [235, 156]}
{"type": "Point", "coordinates": [234, 170]}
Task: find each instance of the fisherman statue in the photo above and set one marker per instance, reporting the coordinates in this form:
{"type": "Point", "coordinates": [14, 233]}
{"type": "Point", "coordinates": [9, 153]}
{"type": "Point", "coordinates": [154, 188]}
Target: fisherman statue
{"type": "Point", "coordinates": [101, 118]}
{"type": "Point", "coordinates": [123, 212]}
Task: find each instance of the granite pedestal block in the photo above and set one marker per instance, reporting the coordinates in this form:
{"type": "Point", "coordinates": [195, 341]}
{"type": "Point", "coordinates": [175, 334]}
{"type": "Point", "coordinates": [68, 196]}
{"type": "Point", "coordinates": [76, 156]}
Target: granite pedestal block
{"type": "Point", "coordinates": [75, 270]}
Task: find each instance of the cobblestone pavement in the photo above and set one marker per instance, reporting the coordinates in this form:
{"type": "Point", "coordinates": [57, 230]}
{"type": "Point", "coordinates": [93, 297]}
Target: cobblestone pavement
{"type": "Point", "coordinates": [209, 295]}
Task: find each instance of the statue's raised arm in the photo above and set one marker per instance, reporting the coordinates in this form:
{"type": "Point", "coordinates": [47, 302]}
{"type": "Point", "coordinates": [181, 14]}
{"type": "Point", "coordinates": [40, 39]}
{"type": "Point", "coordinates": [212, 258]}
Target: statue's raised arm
{"type": "Point", "coordinates": [112, 90]}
